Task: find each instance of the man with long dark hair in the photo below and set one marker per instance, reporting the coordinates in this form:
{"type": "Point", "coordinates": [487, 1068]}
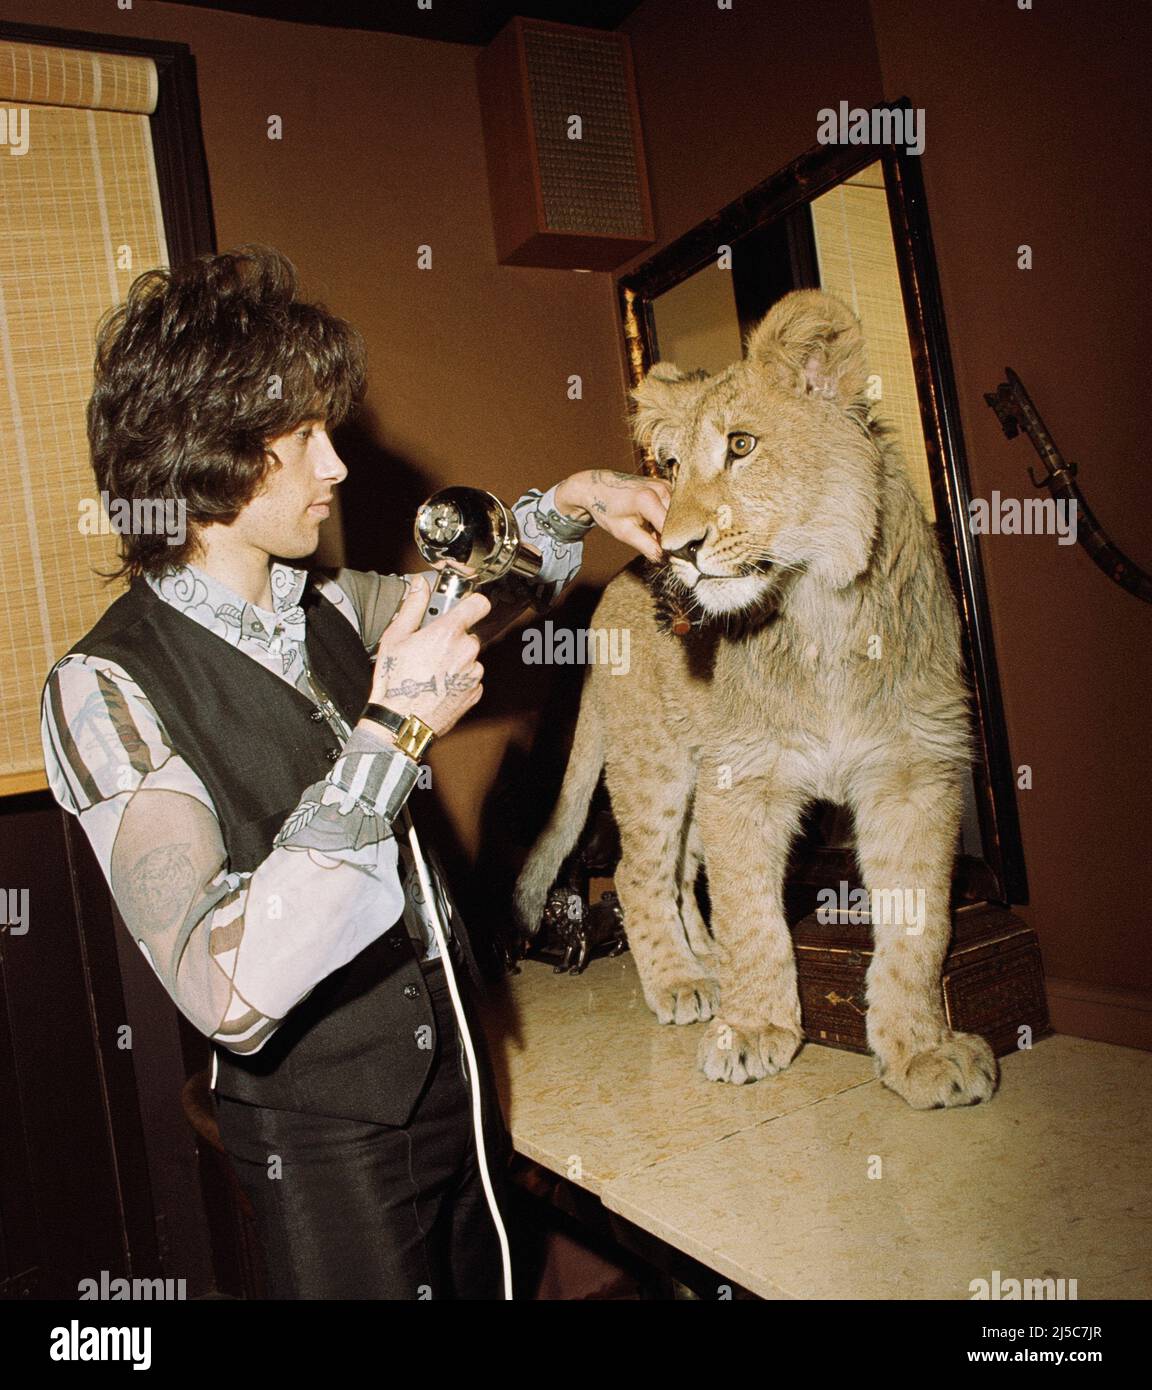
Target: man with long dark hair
{"type": "Point", "coordinates": [239, 763]}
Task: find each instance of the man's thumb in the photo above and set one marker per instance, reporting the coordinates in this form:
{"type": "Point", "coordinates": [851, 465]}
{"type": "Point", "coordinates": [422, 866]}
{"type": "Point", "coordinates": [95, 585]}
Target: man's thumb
{"type": "Point", "coordinates": [407, 617]}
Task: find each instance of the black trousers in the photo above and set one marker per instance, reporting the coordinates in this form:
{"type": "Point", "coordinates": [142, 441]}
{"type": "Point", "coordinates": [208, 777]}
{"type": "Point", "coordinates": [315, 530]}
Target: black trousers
{"type": "Point", "coordinates": [379, 1211]}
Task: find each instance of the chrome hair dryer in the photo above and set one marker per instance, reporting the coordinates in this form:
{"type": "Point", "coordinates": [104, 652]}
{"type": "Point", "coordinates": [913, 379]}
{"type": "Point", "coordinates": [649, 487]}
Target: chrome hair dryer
{"type": "Point", "coordinates": [477, 537]}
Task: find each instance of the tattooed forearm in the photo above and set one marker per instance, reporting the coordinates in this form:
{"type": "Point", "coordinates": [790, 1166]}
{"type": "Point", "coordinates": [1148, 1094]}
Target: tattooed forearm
{"type": "Point", "coordinates": [159, 887]}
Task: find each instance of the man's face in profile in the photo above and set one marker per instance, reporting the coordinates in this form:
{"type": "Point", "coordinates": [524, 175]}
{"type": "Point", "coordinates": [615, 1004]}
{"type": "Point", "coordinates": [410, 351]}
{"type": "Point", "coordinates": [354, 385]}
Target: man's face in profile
{"type": "Point", "coordinates": [284, 518]}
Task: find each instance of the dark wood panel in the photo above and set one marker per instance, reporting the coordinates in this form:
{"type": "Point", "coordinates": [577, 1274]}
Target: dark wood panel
{"type": "Point", "coordinates": [99, 1166]}
{"type": "Point", "coordinates": [69, 1209]}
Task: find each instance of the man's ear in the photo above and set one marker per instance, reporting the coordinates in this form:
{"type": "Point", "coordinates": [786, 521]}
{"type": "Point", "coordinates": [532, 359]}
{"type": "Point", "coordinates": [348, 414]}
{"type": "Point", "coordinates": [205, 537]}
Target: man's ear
{"type": "Point", "coordinates": [659, 397]}
{"type": "Point", "coordinates": [811, 344]}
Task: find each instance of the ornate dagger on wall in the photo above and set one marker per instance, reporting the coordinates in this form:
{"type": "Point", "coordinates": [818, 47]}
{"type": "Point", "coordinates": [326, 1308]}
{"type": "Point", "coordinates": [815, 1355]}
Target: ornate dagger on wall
{"type": "Point", "coordinates": [1015, 411]}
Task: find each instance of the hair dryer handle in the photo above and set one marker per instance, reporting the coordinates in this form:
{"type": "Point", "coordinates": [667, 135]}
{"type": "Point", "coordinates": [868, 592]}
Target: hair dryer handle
{"type": "Point", "coordinates": [450, 588]}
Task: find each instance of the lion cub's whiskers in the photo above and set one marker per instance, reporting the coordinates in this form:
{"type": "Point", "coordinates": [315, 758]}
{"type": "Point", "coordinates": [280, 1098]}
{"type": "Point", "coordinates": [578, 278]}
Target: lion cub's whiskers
{"type": "Point", "coordinates": [765, 557]}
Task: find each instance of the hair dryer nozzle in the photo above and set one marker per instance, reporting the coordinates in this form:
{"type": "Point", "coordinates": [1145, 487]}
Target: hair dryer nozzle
{"type": "Point", "coordinates": [476, 539]}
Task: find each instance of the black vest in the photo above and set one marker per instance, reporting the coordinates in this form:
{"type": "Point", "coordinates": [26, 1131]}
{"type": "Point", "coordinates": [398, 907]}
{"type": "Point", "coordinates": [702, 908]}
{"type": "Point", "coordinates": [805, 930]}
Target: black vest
{"type": "Point", "coordinates": [358, 1046]}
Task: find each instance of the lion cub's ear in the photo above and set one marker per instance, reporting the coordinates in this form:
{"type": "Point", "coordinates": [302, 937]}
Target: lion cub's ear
{"type": "Point", "coordinates": [810, 343]}
{"type": "Point", "coordinates": [660, 397]}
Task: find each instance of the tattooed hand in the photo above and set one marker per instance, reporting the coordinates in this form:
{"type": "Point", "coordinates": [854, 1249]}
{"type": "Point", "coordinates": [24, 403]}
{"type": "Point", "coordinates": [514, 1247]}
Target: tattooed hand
{"type": "Point", "coordinates": [460, 684]}
{"type": "Point", "coordinates": [410, 688]}
{"type": "Point", "coordinates": [431, 672]}
{"type": "Point", "coordinates": [630, 507]}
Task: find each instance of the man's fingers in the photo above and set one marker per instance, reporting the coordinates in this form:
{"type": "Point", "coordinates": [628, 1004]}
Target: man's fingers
{"type": "Point", "coordinates": [651, 509]}
{"type": "Point", "coordinates": [634, 534]}
{"type": "Point", "coordinates": [459, 618]}
{"type": "Point", "coordinates": [471, 609]}
{"type": "Point", "coordinates": [407, 617]}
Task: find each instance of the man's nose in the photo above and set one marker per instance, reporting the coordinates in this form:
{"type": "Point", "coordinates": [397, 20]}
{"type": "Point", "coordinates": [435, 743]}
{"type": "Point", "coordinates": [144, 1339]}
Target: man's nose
{"type": "Point", "coordinates": [333, 466]}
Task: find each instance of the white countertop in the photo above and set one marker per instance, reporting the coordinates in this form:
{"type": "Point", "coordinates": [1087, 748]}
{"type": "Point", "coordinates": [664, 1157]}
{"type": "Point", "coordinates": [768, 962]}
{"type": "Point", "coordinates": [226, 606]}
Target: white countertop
{"type": "Point", "coordinates": [769, 1183]}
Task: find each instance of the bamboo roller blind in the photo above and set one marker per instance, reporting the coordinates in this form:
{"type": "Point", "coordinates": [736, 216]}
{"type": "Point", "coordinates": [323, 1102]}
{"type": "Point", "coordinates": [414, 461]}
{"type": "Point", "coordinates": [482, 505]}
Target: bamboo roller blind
{"type": "Point", "coordinates": [858, 264]}
{"type": "Point", "coordinates": [80, 219]}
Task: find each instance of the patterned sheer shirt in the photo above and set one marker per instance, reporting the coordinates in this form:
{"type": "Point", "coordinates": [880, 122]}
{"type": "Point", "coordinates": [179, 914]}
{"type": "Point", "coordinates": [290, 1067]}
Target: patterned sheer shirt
{"type": "Point", "coordinates": [236, 951]}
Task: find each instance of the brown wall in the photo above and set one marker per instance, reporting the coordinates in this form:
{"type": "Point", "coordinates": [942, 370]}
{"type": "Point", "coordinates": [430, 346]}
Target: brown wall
{"type": "Point", "coordinates": [730, 96]}
{"type": "Point", "coordinates": [1036, 134]}
{"type": "Point", "coordinates": [1031, 126]}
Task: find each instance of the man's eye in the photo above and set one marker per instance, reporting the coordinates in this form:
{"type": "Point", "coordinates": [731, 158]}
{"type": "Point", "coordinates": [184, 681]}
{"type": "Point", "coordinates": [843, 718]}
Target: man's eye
{"type": "Point", "coordinates": [740, 445]}
{"type": "Point", "coordinates": [305, 433]}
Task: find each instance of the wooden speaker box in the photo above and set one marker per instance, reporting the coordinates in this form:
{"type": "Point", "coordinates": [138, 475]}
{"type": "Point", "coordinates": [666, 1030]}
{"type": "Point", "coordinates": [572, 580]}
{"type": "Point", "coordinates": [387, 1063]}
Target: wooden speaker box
{"type": "Point", "coordinates": [566, 170]}
{"type": "Point", "coordinates": [993, 979]}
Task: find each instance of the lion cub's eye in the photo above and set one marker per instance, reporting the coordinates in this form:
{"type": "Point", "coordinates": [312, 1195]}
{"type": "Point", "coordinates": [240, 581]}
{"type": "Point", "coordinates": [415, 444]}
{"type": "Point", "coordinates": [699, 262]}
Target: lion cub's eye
{"type": "Point", "coordinates": [668, 467]}
{"type": "Point", "coordinates": [740, 445]}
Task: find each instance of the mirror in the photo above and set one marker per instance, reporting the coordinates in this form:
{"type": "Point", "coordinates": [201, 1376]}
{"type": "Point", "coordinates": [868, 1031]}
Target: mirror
{"type": "Point", "coordinates": [852, 220]}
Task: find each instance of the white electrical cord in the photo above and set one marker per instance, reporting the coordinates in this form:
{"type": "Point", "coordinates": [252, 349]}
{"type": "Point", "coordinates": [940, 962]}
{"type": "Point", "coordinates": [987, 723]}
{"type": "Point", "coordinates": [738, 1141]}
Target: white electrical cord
{"type": "Point", "coordinates": [466, 1038]}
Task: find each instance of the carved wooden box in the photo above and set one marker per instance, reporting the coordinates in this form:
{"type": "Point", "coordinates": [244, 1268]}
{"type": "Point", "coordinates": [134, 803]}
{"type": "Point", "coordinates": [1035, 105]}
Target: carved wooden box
{"type": "Point", "coordinates": [993, 979]}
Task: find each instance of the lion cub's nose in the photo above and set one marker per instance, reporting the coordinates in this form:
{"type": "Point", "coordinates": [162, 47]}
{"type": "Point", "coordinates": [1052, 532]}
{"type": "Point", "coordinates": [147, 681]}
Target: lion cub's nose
{"type": "Point", "coordinates": [686, 552]}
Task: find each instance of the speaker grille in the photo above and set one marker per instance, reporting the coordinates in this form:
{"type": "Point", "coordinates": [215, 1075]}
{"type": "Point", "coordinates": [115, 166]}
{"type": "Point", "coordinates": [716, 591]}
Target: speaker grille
{"type": "Point", "coordinates": [591, 184]}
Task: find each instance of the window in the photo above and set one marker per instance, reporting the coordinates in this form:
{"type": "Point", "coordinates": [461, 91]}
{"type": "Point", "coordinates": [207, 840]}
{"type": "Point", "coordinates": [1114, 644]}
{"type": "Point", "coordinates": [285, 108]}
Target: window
{"type": "Point", "coordinates": [96, 141]}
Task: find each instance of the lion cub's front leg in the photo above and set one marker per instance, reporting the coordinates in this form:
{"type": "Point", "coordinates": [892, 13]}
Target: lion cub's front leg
{"type": "Point", "coordinates": [747, 830]}
{"type": "Point", "coordinates": [651, 792]}
{"type": "Point", "coordinates": [907, 819]}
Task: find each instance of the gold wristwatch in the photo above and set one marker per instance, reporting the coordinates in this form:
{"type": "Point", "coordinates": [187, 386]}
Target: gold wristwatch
{"type": "Point", "coordinates": [411, 734]}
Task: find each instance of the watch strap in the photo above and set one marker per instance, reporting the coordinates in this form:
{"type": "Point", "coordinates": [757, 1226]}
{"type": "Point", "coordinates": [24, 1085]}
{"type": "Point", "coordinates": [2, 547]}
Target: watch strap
{"type": "Point", "coordinates": [381, 714]}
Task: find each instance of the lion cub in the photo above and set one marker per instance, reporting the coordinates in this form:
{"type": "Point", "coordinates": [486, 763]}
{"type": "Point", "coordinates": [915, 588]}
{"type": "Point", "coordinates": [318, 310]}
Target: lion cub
{"type": "Point", "coordinates": [825, 664]}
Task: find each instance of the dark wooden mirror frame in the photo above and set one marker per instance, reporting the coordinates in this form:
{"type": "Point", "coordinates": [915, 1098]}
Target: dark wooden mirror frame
{"type": "Point", "coordinates": [1000, 875]}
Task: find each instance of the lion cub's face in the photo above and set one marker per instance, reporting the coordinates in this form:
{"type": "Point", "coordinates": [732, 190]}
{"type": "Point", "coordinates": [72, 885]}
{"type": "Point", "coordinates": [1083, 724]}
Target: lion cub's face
{"type": "Point", "coordinates": [772, 466]}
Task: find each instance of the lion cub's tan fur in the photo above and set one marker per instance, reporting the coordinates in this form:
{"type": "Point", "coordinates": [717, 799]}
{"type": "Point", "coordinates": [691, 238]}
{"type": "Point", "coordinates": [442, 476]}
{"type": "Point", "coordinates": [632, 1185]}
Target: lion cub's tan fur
{"type": "Point", "coordinates": [827, 666]}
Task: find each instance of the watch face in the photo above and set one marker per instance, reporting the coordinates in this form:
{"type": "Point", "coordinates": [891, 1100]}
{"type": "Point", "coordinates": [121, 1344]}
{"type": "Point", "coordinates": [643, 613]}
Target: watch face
{"type": "Point", "coordinates": [414, 737]}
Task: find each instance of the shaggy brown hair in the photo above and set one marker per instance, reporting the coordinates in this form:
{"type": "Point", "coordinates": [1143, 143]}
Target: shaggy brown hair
{"type": "Point", "coordinates": [196, 372]}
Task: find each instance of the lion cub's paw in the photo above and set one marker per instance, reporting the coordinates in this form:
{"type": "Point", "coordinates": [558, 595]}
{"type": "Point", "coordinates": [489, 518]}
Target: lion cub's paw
{"type": "Point", "coordinates": [728, 1053]}
{"type": "Point", "coordinates": [685, 1001]}
{"type": "Point", "coordinates": [958, 1070]}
